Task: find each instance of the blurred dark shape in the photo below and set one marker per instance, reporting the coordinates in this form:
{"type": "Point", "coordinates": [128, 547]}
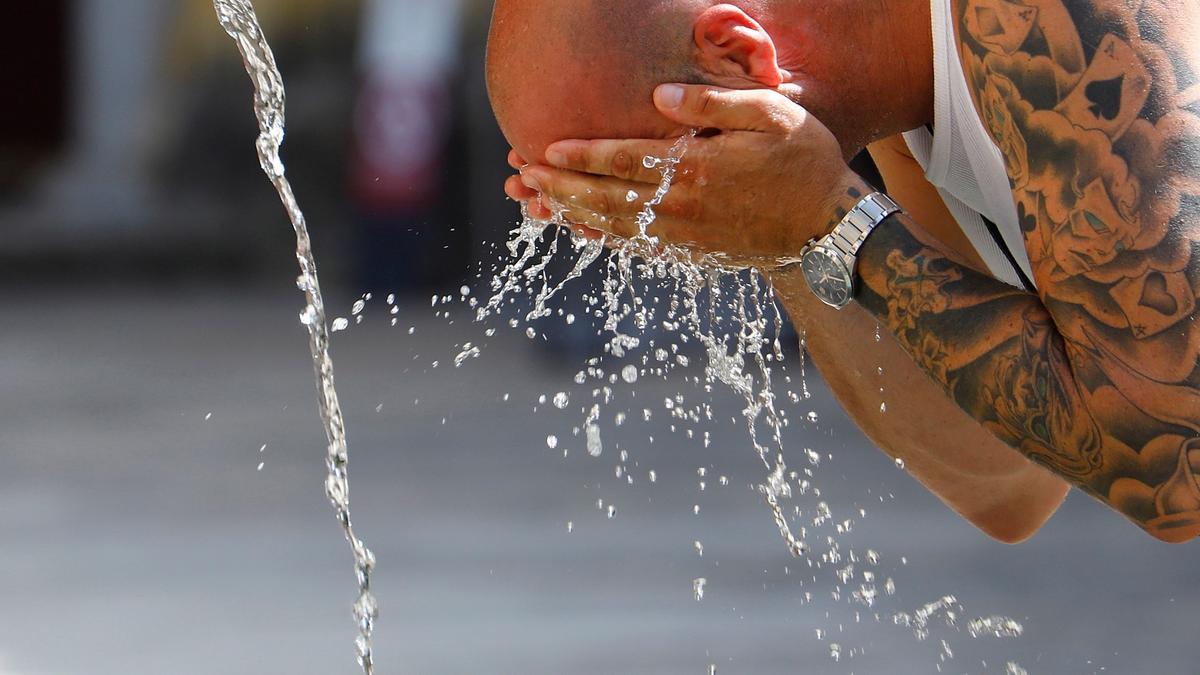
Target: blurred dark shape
{"type": "Point", "coordinates": [33, 126]}
{"type": "Point", "coordinates": [403, 168]}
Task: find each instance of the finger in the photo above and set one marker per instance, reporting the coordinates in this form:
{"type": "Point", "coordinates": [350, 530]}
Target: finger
{"type": "Point", "coordinates": [665, 229]}
{"type": "Point", "coordinates": [624, 159]}
{"type": "Point", "coordinates": [593, 224]}
{"type": "Point", "coordinates": [588, 233]}
{"type": "Point", "coordinates": [728, 109]}
{"type": "Point", "coordinates": [516, 161]}
{"type": "Point", "coordinates": [517, 191]}
{"type": "Point", "coordinates": [538, 210]}
{"type": "Point", "coordinates": [603, 195]}
{"type": "Point", "coordinates": [589, 225]}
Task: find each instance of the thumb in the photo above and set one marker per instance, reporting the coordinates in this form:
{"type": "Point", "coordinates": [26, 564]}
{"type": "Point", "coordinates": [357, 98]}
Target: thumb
{"type": "Point", "coordinates": [704, 106]}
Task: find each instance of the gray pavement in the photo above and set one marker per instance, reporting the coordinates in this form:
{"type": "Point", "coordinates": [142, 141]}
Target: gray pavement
{"type": "Point", "coordinates": [140, 537]}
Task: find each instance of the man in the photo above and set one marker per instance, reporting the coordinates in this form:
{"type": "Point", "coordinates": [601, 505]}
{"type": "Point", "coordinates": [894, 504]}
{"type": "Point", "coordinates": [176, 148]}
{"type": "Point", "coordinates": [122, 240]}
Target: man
{"type": "Point", "coordinates": [1040, 284]}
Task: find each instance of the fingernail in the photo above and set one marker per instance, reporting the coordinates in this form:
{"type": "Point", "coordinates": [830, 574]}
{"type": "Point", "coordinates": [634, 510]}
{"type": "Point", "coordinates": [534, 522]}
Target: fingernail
{"type": "Point", "coordinates": [669, 95]}
{"type": "Point", "coordinates": [556, 158]}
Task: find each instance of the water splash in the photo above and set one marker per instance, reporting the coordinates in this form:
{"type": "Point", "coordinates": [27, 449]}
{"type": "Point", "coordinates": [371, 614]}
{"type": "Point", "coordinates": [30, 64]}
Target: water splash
{"type": "Point", "coordinates": [238, 19]}
{"type": "Point", "coordinates": [731, 313]}
{"type": "Point", "coordinates": [739, 347]}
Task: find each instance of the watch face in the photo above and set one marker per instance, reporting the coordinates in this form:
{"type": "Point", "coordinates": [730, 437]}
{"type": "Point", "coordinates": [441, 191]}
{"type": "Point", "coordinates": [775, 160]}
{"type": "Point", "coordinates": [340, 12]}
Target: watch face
{"type": "Point", "coordinates": [827, 276]}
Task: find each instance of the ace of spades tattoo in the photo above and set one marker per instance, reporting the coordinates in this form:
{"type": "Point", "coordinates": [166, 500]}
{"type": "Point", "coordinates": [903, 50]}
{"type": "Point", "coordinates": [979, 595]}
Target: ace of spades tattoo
{"type": "Point", "coordinates": [1111, 93]}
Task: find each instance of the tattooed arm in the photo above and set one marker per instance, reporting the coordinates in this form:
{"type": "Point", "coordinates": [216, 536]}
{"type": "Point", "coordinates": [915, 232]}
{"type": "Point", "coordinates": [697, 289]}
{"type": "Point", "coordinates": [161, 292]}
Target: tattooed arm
{"type": "Point", "coordinates": [1096, 108]}
{"type": "Point", "coordinates": [991, 486]}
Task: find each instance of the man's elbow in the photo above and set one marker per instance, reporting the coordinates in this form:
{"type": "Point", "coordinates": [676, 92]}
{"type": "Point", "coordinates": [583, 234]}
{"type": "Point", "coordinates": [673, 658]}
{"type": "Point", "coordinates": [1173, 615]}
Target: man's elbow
{"type": "Point", "coordinates": [1016, 519]}
{"type": "Point", "coordinates": [1011, 530]}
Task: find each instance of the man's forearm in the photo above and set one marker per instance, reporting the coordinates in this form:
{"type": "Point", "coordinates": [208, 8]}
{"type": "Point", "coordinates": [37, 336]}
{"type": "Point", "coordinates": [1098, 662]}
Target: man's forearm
{"type": "Point", "coordinates": [910, 417]}
{"type": "Point", "coordinates": [997, 353]}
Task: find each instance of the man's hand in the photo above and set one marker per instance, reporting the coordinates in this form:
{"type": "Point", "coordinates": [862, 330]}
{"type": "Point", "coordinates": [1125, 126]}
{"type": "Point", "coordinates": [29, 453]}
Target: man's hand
{"type": "Point", "coordinates": [762, 179]}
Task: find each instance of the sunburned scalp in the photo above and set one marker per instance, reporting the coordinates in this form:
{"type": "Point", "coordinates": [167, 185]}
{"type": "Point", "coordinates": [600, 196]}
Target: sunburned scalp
{"type": "Point", "coordinates": [586, 68]}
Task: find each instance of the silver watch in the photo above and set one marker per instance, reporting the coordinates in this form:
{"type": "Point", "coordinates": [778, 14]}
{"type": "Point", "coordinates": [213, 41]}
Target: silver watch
{"type": "Point", "coordinates": [829, 263]}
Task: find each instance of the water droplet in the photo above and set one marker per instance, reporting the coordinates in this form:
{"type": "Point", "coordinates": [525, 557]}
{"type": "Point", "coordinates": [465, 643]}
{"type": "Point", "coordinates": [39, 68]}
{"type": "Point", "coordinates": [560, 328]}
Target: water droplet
{"type": "Point", "coordinates": [530, 333]}
{"type": "Point", "coordinates": [995, 626]}
{"type": "Point", "coordinates": [340, 324]}
{"type": "Point", "coordinates": [309, 316]}
{"type": "Point", "coordinates": [651, 162]}
{"type": "Point", "coordinates": [562, 400]}
{"type": "Point", "coordinates": [883, 407]}
{"type": "Point", "coordinates": [469, 351]}
{"type": "Point", "coordinates": [612, 511]}
{"type": "Point", "coordinates": [899, 463]}
{"type": "Point", "coordinates": [570, 526]}
{"type": "Point", "coordinates": [594, 445]}
{"type": "Point", "coordinates": [653, 475]}
{"type": "Point", "coordinates": [261, 465]}
{"type": "Point", "coordinates": [465, 291]}
{"type": "Point", "coordinates": [698, 588]}
{"type": "Point", "coordinates": [358, 307]}
{"type": "Point", "coordinates": [699, 548]}
{"type": "Point", "coordinates": [570, 319]}
{"type": "Point", "coordinates": [207, 416]}
{"type": "Point", "coordinates": [552, 441]}
{"type": "Point", "coordinates": [629, 373]}
{"type": "Point", "coordinates": [631, 196]}
{"type": "Point", "coordinates": [812, 416]}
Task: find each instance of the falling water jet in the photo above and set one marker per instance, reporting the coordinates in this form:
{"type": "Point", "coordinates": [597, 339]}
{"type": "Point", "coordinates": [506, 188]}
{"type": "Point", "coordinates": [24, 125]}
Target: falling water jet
{"type": "Point", "coordinates": [238, 19]}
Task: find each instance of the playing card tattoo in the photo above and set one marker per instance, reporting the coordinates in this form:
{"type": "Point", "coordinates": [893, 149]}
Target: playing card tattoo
{"type": "Point", "coordinates": [1112, 91]}
{"type": "Point", "coordinates": [999, 25]}
{"type": "Point", "coordinates": [1095, 108]}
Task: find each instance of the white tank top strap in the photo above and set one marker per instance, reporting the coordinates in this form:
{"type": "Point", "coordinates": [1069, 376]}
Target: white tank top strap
{"type": "Point", "coordinates": [963, 163]}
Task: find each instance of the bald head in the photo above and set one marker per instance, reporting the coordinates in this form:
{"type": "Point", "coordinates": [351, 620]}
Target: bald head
{"type": "Point", "coordinates": [586, 68]}
{"type": "Point", "coordinates": [561, 69]}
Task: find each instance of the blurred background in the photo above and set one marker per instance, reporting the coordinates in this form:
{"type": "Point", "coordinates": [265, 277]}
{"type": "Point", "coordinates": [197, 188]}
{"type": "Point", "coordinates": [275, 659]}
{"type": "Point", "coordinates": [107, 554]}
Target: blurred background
{"type": "Point", "coordinates": [161, 505]}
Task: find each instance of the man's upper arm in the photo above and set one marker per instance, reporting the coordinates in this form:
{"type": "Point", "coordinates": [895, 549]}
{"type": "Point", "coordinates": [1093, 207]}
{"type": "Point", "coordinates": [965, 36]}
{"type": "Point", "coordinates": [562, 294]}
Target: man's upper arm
{"type": "Point", "coordinates": [1095, 106]}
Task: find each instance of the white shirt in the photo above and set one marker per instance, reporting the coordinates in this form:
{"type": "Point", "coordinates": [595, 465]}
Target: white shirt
{"type": "Point", "coordinates": [963, 163]}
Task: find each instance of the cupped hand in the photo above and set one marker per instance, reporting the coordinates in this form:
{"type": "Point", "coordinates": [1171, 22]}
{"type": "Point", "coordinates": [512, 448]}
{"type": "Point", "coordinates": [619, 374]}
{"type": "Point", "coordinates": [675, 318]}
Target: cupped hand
{"type": "Point", "coordinates": [764, 178]}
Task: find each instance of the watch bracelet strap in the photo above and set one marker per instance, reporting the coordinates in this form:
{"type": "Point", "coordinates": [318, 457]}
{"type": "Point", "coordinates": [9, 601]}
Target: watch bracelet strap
{"type": "Point", "coordinates": [850, 234]}
{"type": "Point", "coordinates": [852, 231]}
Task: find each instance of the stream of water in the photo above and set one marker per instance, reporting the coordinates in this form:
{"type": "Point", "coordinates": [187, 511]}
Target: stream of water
{"type": "Point", "coordinates": [238, 19]}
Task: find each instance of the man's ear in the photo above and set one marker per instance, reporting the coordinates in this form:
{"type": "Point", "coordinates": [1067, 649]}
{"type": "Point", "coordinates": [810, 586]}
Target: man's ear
{"type": "Point", "coordinates": [732, 44]}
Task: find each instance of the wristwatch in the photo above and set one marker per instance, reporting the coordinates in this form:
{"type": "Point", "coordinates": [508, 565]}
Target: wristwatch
{"type": "Point", "coordinates": [828, 263]}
